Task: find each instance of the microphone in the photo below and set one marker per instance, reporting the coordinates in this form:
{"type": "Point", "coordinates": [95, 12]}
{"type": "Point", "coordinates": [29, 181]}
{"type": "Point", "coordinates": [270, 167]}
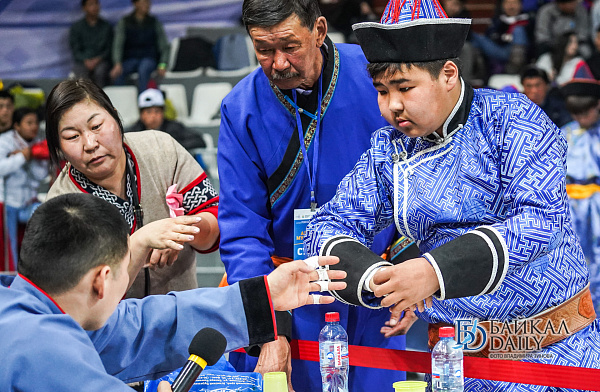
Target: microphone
{"type": "Point", "coordinates": [205, 349]}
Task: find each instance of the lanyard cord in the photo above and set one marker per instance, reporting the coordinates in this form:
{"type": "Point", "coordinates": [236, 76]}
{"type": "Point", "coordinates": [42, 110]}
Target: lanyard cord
{"type": "Point", "coordinates": [316, 117]}
{"type": "Point", "coordinates": [139, 219]}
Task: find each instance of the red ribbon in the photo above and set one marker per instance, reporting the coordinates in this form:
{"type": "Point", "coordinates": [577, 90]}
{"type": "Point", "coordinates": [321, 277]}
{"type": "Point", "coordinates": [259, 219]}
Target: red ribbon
{"type": "Point", "coordinates": [482, 368]}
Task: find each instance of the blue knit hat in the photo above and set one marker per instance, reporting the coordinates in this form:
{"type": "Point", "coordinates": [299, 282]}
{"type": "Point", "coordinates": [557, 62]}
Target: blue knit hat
{"type": "Point", "coordinates": [412, 31]}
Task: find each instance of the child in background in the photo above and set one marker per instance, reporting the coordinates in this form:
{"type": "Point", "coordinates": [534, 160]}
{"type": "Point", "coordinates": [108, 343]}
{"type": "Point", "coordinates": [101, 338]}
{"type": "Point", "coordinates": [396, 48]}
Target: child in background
{"type": "Point", "coordinates": [23, 165]}
{"type": "Point", "coordinates": [582, 98]}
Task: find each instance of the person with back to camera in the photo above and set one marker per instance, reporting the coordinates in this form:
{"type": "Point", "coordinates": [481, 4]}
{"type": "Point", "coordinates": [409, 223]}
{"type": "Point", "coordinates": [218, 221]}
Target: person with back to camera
{"type": "Point", "coordinates": [147, 175]}
{"type": "Point", "coordinates": [477, 178]}
{"type": "Point", "coordinates": [140, 45]}
{"type": "Point", "coordinates": [266, 174]}
{"type": "Point", "coordinates": [23, 166]}
{"type": "Point", "coordinates": [90, 39]}
{"type": "Point", "coordinates": [151, 103]}
{"type": "Point", "coordinates": [69, 326]}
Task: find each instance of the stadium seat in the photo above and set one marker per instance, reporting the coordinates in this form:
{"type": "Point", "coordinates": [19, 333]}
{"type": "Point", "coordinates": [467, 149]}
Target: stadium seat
{"type": "Point", "coordinates": [177, 95]}
{"type": "Point", "coordinates": [124, 99]}
{"type": "Point", "coordinates": [206, 103]}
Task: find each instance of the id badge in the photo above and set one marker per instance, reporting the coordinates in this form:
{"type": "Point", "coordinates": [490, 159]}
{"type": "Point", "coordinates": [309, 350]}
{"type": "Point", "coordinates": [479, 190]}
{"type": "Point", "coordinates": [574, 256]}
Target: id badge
{"type": "Point", "coordinates": [301, 218]}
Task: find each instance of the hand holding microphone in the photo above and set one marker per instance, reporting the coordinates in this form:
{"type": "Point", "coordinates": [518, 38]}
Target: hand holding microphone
{"type": "Point", "coordinates": [205, 349]}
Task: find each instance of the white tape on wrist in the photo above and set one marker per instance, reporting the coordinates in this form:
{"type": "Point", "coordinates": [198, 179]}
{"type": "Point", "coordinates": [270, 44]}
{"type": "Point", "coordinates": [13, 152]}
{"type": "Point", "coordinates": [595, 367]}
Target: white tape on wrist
{"type": "Point", "coordinates": [312, 262]}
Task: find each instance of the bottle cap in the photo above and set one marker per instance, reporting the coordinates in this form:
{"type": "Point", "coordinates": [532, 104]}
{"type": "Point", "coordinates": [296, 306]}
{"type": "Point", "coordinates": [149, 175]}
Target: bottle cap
{"type": "Point", "coordinates": [446, 332]}
{"type": "Point", "coordinates": [331, 317]}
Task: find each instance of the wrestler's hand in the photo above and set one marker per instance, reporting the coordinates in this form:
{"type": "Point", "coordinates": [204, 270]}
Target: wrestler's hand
{"type": "Point", "coordinates": [405, 284]}
{"type": "Point", "coordinates": [160, 258]}
{"type": "Point", "coordinates": [164, 386]}
{"type": "Point", "coordinates": [291, 283]}
{"type": "Point", "coordinates": [276, 356]}
{"type": "Point", "coordinates": [398, 324]}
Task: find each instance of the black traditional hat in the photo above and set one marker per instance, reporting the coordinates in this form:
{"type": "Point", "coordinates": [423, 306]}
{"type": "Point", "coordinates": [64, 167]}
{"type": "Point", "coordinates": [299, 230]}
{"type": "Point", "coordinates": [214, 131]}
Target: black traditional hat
{"type": "Point", "coordinates": [412, 31]}
{"type": "Point", "coordinates": [581, 87]}
{"type": "Point", "coordinates": [583, 84]}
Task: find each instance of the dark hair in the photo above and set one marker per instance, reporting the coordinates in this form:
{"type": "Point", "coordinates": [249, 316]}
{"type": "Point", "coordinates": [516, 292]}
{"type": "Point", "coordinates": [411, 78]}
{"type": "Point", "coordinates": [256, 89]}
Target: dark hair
{"type": "Point", "coordinates": [19, 113]}
{"type": "Point", "coordinates": [388, 69]}
{"type": "Point", "coordinates": [533, 71]}
{"type": "Point", "coordinates": [271, 12]}
{"type": "Point", "coordinates": [69, 235]}
{"type": "Point", "coordinates": [560, 48]}
{"type": "Point", "coordinates": [63, 97]}
{"type": "Point", "coordinates": [5, 94]}
{"type": "Point", "coordinates": [579, 104]}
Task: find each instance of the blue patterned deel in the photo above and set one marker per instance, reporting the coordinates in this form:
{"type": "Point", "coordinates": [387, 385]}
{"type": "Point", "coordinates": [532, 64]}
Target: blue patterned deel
{"type": "Point", "coordinates": [504, 168]}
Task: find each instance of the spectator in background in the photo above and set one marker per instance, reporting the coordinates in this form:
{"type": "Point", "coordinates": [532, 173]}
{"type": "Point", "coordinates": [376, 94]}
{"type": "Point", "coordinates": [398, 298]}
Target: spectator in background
{"type": "Point", "coordinates": [7, 107]}
{"type": "Point", "coordinates": [557, 18]}
{"type": "Point", "coordinates": [151, 103]}
{"type": "Point", "coordinates": [594, 19]}
{"type": "Point", "coordinates": [23, 166]}
{"type": "Point", "coordinates": [564, 62]}
{"type": "Point", "coordinates": [90, 39]}
{"type": "Point", "coordinates": [537, 87]}
{"type": "Point", "coordinates": [342, 14]}
{"type": "Point", "coordinates": [583, 171]}
{"type": "Point", "coordinates": [532, 6]}
{"type": "Point", "coordinates": [140, 45]}
{"type": "Point", "coordinates": [506, 42]}
{"type": "Point", "coordinates": [473, 70]}
{"type": "Point", "coordinates": [594, 61]}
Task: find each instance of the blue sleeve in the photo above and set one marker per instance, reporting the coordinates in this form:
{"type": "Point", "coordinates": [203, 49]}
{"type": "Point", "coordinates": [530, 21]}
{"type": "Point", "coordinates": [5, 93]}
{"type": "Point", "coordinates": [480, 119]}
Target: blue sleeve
{"type": "Point", "coordinates": [244, 217]}
{"type": "Point", "coordinates": [361, 207]}
{"type": "Point", "coordinates": [145, 339]}
{"type": "Point", "coordinates": [53, 353]}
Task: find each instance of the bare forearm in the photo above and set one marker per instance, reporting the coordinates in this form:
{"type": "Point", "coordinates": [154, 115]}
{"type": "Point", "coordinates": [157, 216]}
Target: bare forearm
{"type": "Point", "coordinates": [140, 254]}
{"type": "Point", "coordinates": [209, 232]}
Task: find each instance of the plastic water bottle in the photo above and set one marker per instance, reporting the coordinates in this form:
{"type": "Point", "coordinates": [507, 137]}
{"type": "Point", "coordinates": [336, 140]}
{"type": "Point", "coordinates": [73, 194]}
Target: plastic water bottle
{"type": "Point", "coordinates": [333, 354]}
{"type": "Point", "coordinates": [447, 364]}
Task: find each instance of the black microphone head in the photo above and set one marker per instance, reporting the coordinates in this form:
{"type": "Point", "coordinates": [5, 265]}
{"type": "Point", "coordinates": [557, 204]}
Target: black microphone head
{"type": "Point", "coordinates": [209, 344]}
